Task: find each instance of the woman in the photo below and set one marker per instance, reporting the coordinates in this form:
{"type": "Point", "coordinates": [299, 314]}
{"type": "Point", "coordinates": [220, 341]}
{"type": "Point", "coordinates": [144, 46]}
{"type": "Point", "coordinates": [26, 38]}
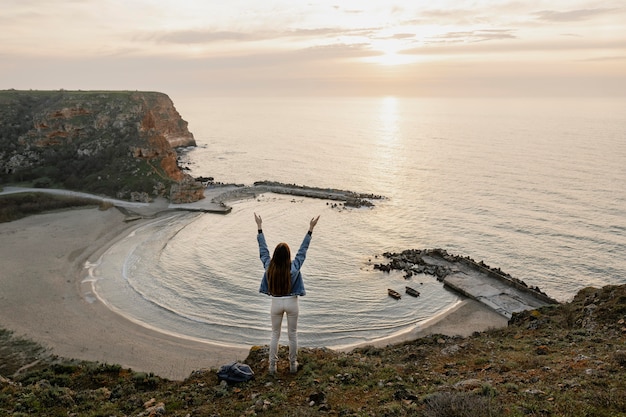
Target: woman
{"type": "Point", "coordinates": [282, 280]}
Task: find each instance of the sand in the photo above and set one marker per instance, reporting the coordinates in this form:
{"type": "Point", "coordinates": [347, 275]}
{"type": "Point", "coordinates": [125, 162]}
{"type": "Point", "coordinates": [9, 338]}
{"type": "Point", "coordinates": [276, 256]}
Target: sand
{"type": "Point", "coordinates": [43, 299]}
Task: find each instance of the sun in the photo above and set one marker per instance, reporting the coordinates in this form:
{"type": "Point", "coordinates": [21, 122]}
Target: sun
{"type": "Point", "coordinates": [394, 58]}
{"type": "Point", "coordinates": [390, 52]}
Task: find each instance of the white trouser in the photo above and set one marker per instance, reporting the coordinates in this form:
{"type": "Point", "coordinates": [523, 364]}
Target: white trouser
{"type": "Point", "coordinates": [281, 305]}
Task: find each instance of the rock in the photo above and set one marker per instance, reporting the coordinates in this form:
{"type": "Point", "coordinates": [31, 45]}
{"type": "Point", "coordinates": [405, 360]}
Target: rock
{"type": "Point", "coordinates": [141, 197]}
{"type": "Point", "coordinates": [324, 407]}
{"type": "Point", "coordinates": [317, 397]}
{"type": "Point", "coordinates": [266, 405]}
{"type": "Point", "coordinates": [450, 350]}
{"type": "Point", "coordinates": [5, 381]}
{"type": "Point", "coordinates": [206, 180]}
{"type": "Point", "coordinates": [155, 411]}
{"type": "Point", "coordinates": [43, 384]}
{"type": "Point", "coordinates": [186, 191]}
{"type": "Point", "coordinates": [468, 384]}
{"type": "Point", "coordinates": [535, 392]}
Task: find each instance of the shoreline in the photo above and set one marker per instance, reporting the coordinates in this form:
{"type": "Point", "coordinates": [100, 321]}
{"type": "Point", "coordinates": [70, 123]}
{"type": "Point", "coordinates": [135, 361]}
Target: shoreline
{"type": "Point", "coordinates": [45, 299]}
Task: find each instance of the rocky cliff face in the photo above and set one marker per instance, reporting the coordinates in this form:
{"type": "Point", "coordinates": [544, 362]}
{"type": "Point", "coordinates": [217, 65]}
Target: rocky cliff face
{"type": "Point", "coordinates": [114, 143]}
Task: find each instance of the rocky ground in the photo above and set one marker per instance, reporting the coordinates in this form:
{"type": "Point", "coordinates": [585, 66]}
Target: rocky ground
{"type": "Point", "coordinates": [561, 360]}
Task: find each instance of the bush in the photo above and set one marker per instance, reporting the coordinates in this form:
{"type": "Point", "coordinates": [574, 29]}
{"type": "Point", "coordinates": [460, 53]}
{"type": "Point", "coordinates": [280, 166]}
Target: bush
{"type": "Point", "coordinates": [43, 182]}
{"type": "Point", "coordinates": [447, 404]}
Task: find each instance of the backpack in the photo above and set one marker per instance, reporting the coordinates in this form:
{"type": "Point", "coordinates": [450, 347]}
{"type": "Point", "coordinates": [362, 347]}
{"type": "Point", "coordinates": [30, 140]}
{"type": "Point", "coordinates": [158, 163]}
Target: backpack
{"type": "Point", "coordinates": [234, 373]}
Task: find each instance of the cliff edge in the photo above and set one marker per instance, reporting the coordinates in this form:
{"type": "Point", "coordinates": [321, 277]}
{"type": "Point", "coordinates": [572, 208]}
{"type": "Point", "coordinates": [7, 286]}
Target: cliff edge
{"type": "Point", "coordinates": [115, 143]}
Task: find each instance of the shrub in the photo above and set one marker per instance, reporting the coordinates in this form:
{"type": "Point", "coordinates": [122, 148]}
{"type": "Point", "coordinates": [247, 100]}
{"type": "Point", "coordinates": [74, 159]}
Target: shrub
{"type": "Point", "coordinates": [462, 404]}
{"type": "Point", "coordinates": [42, 182]}
{"type": "Point", "coordinates": [620, 357]}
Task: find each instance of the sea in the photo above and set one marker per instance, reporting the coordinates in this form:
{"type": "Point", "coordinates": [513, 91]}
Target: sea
{"type": "Point", "coordinates": [535, 187]}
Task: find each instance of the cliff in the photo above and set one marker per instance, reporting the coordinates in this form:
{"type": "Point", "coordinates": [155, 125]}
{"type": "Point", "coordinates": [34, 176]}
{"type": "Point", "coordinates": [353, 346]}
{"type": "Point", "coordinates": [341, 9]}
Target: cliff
{"type": "Point", "coordinates": [116, 143]}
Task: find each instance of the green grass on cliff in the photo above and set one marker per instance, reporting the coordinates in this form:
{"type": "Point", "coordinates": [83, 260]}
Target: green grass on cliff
{"type": "Point", "coordinates": [20, 205]}
{"type": "Point", "coordinates": [9, 95]}
{"type": "Point", "coordinates": [565, 360]}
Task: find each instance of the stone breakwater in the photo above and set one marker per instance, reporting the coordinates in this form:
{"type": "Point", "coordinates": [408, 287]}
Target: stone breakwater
{"type": "Point", "coordinates": [477, 280]}
{"type": "Point", "coordinates": [225, 193]}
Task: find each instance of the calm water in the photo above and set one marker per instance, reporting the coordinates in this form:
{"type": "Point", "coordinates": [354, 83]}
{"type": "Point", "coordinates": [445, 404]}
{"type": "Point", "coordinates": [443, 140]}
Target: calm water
{"type": "Point", "coordinates": [534, 187]}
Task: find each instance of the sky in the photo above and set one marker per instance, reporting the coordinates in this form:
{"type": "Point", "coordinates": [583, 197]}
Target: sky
{"type": "Point", "coordinates": [571, 48]}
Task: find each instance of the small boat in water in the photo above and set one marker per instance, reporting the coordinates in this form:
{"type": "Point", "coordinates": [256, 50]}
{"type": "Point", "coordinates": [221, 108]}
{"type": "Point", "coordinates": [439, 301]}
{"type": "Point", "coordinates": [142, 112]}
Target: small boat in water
{"type": "Point", "coordinates": [412, 291]}
{"type": "Point", "coordinates": [393, 293]}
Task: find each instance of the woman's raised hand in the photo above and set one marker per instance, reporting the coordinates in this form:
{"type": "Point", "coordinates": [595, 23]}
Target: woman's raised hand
{"type": "Point", "coordinates": [258, 221]}
{"type": "Point", "coordinates": [313, 223]}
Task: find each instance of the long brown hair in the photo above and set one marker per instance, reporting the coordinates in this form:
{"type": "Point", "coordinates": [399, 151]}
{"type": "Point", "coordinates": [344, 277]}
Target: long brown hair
{"type": "Point", "coordinates": [279, 271]}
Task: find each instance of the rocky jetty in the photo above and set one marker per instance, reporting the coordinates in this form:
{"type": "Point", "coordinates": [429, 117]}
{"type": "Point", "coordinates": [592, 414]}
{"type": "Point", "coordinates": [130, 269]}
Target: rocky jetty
{"type": "Point", "coordinates": [222, 193]}
{"type": "Point", "coordinates": [350, 198]}
{"type": "Point", "coordinates": [115, 143]}
{"type": "Point", "coordinates": [477, 280]}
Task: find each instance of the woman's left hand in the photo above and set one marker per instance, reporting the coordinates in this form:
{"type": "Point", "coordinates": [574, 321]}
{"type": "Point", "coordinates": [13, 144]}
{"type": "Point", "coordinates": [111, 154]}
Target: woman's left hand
{"type": "Point", "coordinates": [258, 221]}
{"type": "Point", "coordinates": [313, 223]}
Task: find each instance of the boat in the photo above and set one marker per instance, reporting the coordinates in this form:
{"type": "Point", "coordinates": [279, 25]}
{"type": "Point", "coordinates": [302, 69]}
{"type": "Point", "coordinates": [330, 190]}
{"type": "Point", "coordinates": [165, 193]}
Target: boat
{"type": "Point", "coordinates": [394, 294]}
{"type": "Point", "coordinates": [412, 291]}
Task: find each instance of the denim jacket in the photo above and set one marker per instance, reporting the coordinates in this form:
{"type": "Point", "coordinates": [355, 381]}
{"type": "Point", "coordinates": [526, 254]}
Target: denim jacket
{"type": "Point", "coordinates": [297, 283]}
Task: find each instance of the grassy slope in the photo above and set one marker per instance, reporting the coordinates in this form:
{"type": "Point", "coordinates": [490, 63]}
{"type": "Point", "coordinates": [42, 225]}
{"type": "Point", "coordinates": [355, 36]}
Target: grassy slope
{"type": "Point", "coordinates": [566, 360]}
{"type": "Point", "coordinates": [20, 205]}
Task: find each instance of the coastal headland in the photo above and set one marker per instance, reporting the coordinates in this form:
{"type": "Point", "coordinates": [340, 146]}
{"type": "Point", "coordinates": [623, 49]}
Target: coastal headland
{"type": "Point", "coordinates": [116, 143]}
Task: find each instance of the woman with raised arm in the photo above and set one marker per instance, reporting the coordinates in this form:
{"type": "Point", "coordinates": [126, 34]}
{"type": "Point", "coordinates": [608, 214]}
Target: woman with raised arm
{"type": "Point", "coordinates": [283, 281]}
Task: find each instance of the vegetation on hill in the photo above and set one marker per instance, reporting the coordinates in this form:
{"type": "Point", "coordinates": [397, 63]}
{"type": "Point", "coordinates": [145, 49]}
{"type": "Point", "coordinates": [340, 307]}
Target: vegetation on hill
{"type": "Point", "coordinates": [563, 360]}
{"type": "Point", "coordinates": [19, 205]}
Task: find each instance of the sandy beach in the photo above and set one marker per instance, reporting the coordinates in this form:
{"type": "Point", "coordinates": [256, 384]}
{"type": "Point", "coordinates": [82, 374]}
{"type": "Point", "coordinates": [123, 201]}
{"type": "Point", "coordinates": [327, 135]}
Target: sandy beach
{"type": "Point", "coordinates": [42, 299]}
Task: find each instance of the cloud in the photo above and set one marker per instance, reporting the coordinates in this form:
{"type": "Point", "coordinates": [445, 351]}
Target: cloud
{"type": "Point", "coordinates": [474, 36]}
{"type": "Point", "coordinates": [328, 32]}
{"type": "Point", "coordinates": [512, 48]}
{"type": "Point", "coordinates": [605, 58]}
{"type": "Point", "coordinates": [195, 37]}
{"type": "Point", "coordinates": [201, 36]}
{"type": "Point", "coordinates": [571, 15]}
{"type": "Point", "coordinates": [402, 36]}
{"type": "Point", "coordinates": [352, 11]}
{"type": "Point", "coordinates": [335, 51]}
{"type": "Point", "coordinates": [299, 58]}
{"type": "Point", "coordinates": [453, 16]}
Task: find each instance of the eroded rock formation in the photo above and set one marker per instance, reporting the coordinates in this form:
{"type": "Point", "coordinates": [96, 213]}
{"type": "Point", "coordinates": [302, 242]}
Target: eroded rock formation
{"type": "Point", "coordinates": [117, 143]}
